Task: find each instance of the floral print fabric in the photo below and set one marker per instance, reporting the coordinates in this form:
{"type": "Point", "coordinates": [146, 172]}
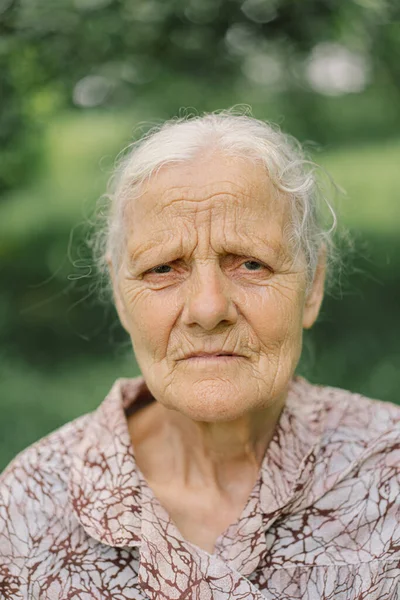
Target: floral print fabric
{"type": "Point", "coordinates": [79, 522]}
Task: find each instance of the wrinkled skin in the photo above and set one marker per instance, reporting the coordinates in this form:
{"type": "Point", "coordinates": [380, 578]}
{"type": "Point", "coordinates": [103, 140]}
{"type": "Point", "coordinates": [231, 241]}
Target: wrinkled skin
{"type": "Point", "coordinates": [207, 268]}
{"type": "Point", "coordinates": [208, 223]}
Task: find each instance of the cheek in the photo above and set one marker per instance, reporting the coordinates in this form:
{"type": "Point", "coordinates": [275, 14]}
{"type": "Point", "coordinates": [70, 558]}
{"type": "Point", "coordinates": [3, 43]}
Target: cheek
{"type": "Point", "coordinates": [276, 317]}
{"type": "Point", "coordinates": [151, 319]}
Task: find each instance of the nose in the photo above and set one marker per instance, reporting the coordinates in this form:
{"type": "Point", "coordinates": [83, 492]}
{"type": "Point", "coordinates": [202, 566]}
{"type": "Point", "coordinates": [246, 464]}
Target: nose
{"type": "Point", "coordinates": [208, 301]}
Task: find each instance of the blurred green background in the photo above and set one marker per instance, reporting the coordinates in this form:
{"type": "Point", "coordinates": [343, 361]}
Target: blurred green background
{"type": "Point", "coordinates": [81, 79]}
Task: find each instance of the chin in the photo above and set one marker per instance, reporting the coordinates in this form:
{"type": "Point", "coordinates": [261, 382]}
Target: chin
{"type": "Point", "coordinates": [210, 400]}
{"type": "Point", "coordinates": [211, 414]}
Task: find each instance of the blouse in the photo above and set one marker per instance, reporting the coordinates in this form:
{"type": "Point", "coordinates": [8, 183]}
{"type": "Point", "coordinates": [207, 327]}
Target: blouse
{"type": "Point", "coordinates": [78, 520]}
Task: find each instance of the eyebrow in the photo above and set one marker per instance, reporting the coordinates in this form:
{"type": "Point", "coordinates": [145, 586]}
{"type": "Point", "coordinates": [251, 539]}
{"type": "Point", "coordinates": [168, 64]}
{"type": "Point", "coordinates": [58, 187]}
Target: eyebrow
{"type": "Point", "coordinates": [238, 248]}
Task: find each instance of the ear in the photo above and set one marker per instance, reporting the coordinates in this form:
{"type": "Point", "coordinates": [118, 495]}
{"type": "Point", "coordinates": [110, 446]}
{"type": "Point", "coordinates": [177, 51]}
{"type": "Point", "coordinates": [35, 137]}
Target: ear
{"type": "Point", "coordinates": [315, 295]}
{"type": "Point", "coordinates": [119, 304]}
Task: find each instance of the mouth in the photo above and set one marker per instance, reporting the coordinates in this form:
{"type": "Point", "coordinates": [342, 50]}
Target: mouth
{"type": "Point", "coordinates": [204, 357]}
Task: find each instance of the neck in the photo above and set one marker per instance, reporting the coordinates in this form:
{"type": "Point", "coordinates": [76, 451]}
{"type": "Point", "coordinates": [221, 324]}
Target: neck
{"type": "Point", "coordinates": [170, 447]}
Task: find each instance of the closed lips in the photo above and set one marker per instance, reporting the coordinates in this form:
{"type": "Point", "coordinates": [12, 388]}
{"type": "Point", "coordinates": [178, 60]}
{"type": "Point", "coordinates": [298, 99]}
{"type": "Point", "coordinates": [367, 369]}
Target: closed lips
{"type": "Point", "coordinates": [209, 354]}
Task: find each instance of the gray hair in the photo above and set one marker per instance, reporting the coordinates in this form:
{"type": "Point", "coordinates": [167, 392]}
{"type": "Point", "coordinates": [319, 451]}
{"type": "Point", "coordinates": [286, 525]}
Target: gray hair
{"type": "Point", "coordinates": [181, 140]}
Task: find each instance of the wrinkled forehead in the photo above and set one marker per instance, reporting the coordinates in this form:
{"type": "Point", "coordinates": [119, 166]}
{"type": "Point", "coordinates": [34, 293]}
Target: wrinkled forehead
{"type": "Point", "coordinates": [232, 188]}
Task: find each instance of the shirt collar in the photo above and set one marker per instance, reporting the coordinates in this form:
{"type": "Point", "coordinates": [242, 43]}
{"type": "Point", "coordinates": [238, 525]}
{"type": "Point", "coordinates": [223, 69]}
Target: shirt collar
{"type": "Point", "coordinates": [106, 486]}
{"type": "Point", "coordinates": [284, 481]}
{"type": "Point", "coordinates": [286, 471]}
{"type": "Point", "coordinates": [104, 483]}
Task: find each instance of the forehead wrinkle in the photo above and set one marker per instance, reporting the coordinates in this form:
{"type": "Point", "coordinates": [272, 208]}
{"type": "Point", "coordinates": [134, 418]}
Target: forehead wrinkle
{"type": "Point", "coordinates": [231, 236]}
{"type": "Point", "coordinates": [196, 205]}
{"type": "Point", "coordinates": [195, 190]}
{"type": "Point", "coordinates": [248, 243]}
{"type": "Point", "coordinates": [243, 204]}
{"type": "Point", "coordinates": [177, 243]}
{"type": "Point", "coordinates": [156, 239]}
{"type": "Point", "coordinates": [165, 194]}
{"type": "Point", "coordinates": [244, 226]}
{"type": "Point", "coordinates": [163, 190]}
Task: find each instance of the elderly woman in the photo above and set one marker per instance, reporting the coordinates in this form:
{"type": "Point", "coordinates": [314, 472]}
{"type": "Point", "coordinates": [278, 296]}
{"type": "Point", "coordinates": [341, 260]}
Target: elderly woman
{"type": "Point", "coordinates": [219, 473]}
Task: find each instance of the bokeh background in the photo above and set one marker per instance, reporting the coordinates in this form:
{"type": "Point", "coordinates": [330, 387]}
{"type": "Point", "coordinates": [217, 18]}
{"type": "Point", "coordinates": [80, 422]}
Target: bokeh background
{"type": "Point", "coordinates": [81, 79]}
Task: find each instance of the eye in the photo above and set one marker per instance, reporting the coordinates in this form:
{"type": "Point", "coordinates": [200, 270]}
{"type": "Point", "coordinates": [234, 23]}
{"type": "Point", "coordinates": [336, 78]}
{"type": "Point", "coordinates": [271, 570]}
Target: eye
{"type": "Point", "coordinates": [160, 269]}
{"type": "Point", "coordinates": [251, 266]}
{"type": "Point", "coordinates": [254, 265]}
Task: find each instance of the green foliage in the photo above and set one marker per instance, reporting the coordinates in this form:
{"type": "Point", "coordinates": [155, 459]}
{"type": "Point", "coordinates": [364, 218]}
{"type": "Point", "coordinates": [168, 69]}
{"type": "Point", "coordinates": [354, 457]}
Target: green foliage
{"type": "Point", "coordinates": [115, 53]}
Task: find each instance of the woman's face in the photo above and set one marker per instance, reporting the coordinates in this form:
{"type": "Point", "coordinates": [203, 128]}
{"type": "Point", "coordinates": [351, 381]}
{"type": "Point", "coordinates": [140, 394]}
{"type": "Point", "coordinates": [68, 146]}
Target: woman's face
{"type": "Point", "coordinates": [207, 269]}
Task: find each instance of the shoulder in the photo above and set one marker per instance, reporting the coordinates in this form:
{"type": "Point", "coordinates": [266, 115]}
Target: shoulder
{"type": "Point", "coordinates": [34, 491]}
{"type": "Point", "coordinates": [352, 417]}
{"type": "Point", "coordinates": [359, 440]}
{"type": "Point", "coordinates": [354, 494]}
{"type": "Point", "coordinates": [359, 452]}
{"type": "Point", "coordinates": [50, 455]}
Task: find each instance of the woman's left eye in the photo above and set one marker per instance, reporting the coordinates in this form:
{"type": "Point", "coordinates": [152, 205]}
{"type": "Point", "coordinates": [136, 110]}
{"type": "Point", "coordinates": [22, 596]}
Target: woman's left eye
{"type": "Point", "coordinates": [254, 265]}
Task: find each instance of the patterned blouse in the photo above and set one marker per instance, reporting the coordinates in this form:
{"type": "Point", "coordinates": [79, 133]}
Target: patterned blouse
{"type": "Point", "coordinates": [79, 522]}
